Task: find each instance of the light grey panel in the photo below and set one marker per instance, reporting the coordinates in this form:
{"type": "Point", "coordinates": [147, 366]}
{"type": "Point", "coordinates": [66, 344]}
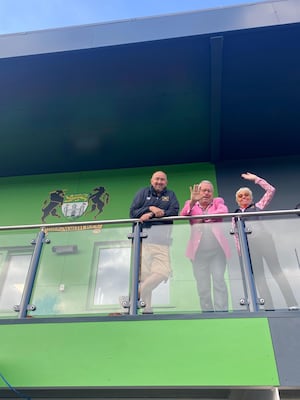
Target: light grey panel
{"type": "Point", "coordinates": [136, 30]}
{"type": "Point", "coordinates": [286, 342]}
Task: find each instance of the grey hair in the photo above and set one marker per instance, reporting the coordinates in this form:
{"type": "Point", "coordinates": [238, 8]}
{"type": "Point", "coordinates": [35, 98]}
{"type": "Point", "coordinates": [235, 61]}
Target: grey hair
{"type": "Point", "coordinates": [208, 182]}
{"type": "Point", "coordinates": [242, 189]}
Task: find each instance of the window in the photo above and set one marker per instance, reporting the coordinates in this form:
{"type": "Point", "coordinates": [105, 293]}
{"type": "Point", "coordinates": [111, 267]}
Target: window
{"type": "Point", "coordinates": [111, 276]}
{"type": "Point", "coordinates": [13, 272]}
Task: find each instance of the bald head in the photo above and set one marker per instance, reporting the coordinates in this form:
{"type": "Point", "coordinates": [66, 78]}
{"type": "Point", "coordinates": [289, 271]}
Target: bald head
{"type": "Point", "coordinates": [159, 181]}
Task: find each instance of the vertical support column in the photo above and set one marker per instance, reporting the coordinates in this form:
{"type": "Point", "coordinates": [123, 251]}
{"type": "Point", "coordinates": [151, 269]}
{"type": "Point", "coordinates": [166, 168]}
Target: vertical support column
{"type": "Point", "coordinates": [135, 269]}
{"type": "Point", "coordinates": [29, 282]}
{"type": "Point", "coordinates": [246, 264]}
{"type": "Point", "coordinates": [216, 68]}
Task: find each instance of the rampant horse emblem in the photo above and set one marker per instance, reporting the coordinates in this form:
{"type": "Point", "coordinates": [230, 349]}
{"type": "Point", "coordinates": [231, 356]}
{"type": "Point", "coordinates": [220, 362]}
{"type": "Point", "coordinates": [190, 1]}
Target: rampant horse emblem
{"type": "Point", "coordinates": [98, 199]}
{"type": "Point", "coordinates": [52, 204]}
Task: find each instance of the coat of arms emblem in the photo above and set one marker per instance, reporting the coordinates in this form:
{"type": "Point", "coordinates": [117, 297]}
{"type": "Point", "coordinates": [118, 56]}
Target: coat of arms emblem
{"type": "Point", "coordinates": [75, 205]}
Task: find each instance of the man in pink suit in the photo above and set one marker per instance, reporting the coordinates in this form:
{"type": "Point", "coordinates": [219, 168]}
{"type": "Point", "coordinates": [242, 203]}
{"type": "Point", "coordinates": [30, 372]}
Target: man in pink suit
{"type": "Point", "coordinates": [207, 247]}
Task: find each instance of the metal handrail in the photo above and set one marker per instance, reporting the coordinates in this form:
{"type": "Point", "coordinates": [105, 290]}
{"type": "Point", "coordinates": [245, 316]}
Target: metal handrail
{"type": "Point", "coordinates": [133, 220]}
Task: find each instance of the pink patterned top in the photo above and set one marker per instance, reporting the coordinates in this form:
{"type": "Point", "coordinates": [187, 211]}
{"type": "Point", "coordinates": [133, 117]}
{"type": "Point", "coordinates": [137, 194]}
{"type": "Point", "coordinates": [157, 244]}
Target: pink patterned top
{"type": "Point", "coordinates": [268, 196]}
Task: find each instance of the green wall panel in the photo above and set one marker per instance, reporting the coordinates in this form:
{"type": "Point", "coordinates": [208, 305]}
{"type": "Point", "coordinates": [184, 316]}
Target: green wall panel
{"type": "Point", "coordinates": [22, 198]}
{"type": "Point", "coordinates": [210, 352]}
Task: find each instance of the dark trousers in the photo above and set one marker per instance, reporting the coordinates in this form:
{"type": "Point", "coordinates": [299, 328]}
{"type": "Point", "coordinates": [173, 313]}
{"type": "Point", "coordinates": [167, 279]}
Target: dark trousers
{"type": "Point", "coordinates": [262, 248]}
{"type": "Point", "coordinates": [209, 268]}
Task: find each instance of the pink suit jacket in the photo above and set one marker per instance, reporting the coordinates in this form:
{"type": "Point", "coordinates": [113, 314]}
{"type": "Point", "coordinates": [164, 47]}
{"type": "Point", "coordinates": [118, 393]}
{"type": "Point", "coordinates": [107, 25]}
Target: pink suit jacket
{"type": "Point", "coordinates": [217, 207]}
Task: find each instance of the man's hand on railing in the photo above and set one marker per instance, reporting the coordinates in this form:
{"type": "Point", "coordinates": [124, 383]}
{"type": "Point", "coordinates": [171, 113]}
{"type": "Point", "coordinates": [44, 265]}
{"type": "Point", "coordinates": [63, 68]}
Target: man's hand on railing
{"type": "Point", "coordinates": [158, 212]}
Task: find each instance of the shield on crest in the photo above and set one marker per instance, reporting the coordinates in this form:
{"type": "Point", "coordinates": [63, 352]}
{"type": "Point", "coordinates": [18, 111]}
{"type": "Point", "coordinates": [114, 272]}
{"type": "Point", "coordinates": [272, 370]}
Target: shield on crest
{"type": "Point", "coordinates": [75, 205]}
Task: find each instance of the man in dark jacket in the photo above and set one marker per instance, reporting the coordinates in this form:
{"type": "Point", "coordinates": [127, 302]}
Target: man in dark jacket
{"type": "Point", "coordinates": [155, 202]}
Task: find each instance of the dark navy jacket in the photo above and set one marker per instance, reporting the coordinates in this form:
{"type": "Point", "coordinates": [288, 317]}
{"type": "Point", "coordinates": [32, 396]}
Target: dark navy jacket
{"type": "Point", "coordinates": [166, 201]}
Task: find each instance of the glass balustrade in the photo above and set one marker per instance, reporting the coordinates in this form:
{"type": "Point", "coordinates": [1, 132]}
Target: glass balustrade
{"type": "Point", "coordinates": [178, 294]}
{"type": "Point", "coordinates": [103, 269]}
{"type": "Point", "coordinates": [16, 249]}
{"type": "Point", "coordinates": [83, 271]}
{"type": "Point", "coordinates": [274, 250]}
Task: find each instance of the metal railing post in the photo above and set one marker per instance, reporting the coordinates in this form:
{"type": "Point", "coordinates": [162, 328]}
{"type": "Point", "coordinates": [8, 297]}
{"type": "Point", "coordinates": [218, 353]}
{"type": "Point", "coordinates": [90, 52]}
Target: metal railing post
{"type": "Point", "coordinates": [246, 263]}
{"type": "Point", "coordinates": [135, 270]}
{"type": "Point", "coordinates": [29, 282]}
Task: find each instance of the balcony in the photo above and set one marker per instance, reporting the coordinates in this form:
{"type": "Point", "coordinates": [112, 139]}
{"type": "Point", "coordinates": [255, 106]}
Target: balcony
{"type": "Point", "coordinates": [92, 269]}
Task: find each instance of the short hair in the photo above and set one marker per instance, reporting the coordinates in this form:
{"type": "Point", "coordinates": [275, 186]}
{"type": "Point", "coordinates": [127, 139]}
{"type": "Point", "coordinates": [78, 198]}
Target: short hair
{"type": "Point", "coordinates": [242, 189]}
{"type": "Point", "coordinates": [208, 182]}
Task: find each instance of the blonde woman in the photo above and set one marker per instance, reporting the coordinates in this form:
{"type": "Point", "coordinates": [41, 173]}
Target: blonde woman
{"type": "Point", "coordinates": [261, 244]}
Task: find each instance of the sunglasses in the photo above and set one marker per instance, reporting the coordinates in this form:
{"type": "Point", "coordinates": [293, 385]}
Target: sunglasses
{"type": "Point", "coordinates": [240, 195]}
